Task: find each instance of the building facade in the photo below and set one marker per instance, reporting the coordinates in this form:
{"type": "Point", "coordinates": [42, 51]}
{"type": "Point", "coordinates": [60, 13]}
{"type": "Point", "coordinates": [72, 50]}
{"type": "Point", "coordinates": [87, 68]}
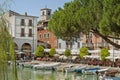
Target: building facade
{"type": "Point", "coordinates": [23, 29]}
{"type": "Point", "coordinates": [45, 38]}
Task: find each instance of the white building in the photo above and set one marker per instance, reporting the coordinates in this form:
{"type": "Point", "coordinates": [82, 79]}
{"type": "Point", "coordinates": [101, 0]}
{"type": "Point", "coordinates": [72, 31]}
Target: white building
{"type": "Point", "coordinates": [23, 29]}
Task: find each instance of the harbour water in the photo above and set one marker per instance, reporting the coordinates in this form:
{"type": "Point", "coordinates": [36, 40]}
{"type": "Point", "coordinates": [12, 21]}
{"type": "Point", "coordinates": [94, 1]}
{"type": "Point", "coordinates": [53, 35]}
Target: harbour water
{"type": "Point", "coordinates": [30, 74]}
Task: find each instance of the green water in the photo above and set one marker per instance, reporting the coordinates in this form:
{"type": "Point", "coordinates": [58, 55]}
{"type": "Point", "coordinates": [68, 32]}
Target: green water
{"type": "Point", "coordinates": [29, 74]}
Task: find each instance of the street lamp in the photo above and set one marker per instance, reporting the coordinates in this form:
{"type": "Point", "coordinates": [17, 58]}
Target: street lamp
{"type": "Point", "coordinates": [113, 53]}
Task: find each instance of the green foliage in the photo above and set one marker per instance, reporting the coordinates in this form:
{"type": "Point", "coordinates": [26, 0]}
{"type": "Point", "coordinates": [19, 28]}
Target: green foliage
{"type": "Point", "coordinates": [101, 17]}
{"type": "Point", "coordinates": [104, 53]}
{"type": "Point", "coordinates": [83, 51]}
{"type": "Point", "coordinates": [52, 52]}
{"type": "Point", "coordinates": [39, 51]}
{"type": "Point", "coordinates": [63, 23]}
{"type": "Point", "coordinates": [110, 22]}
{"type": "Point", "coordinates": [6, 47]}
{"type": "Point", "coordinates": [67, 52]}
{"type": "Point", "coordinates": [39, 22]}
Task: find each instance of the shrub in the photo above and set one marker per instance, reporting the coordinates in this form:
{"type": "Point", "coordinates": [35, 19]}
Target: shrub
{"type": "Point", "coordinates": [52, 52]}
{"type": "Point", "coordinates": [39, 51]}
{"type": "Point", "coordinates": [83, 51]}
{"type": "Point", "coordinates": [104, 53]}
{"type": "Point", "coordinates": [67, 52]}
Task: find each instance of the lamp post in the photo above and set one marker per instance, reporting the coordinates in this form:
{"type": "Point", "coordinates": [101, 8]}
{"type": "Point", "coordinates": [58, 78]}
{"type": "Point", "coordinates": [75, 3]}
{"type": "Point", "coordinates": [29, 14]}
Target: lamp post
{"type": "Point", "coordinates": [113, 53]}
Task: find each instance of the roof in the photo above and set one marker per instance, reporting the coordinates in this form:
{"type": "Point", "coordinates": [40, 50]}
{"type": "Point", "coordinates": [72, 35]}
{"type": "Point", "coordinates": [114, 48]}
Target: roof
{"type": "Point", "coordinates": [45, 9]}
{"type": "Point", "coordinates": [13, 13]}
{"type": "Point", "coordinates": [17, 14]}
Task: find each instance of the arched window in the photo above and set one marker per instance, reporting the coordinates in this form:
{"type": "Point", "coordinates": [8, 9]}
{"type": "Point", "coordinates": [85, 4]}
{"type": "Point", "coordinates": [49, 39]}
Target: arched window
{"type": "Point", "coordinates": [48, 12]}
{"type": "Point", "coordinates": [43, 13]}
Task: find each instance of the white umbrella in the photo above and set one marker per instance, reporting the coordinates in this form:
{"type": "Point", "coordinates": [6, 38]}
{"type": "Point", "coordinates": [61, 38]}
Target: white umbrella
{"type": "Point", "coordinates": [87, 56]}
{"type": "Point", "coordinates": [20, 53]}
{"type": "Point", "coordinates": [92, 56]}
{"type": "Point", "coordinates": [56, 55]}
{"type": "Point", "coordinates": [74, 57]}
{"type": "Point", "coordinates": [93, 51]}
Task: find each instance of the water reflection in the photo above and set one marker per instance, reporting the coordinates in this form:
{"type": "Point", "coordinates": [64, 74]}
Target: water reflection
{"type": "Point", "coordinates": [29, 74]}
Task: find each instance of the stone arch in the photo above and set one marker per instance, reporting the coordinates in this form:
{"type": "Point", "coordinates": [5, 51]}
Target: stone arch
{"type": "Point", "coordinates": [16, 46]}
{"type": "Point", "coordinates": [26, 47]}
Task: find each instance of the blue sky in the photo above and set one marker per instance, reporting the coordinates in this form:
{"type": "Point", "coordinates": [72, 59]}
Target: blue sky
{"type": "Point", "coordinates": [32, 7]}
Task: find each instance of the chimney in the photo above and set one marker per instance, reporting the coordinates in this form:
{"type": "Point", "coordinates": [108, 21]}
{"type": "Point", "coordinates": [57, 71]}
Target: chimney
{"type": "Point", "coordinates": [25, 13]}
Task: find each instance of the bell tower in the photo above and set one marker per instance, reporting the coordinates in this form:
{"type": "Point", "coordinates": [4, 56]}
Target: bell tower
{"type": "Point", "coordinates": [45, 14]}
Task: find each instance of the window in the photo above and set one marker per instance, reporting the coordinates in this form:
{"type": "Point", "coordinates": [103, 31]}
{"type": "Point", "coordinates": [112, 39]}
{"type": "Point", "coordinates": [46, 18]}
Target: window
{"type": "Point", "coordinates": [40, 35]}
{"type": "Point", "coordinates": [60, 45]}
{"type": "Point", "coordinates": [22, 22]}
{"type": "Point", "coordinates": [30, 32]}
{"type": "Point", "coordinates": [30, 23]}
{"type": "Point", "coordinates": [22, 32]}
{"type": "Point", "coordinates": [67, 45]}
{"type": "Point", "coordinates": [48, 12]}
{"type": "Point", "coordinates": [45, 36]}
{"type": "Point", "coordinates": [43, 13]}
{"type": "Point", "coordinates": [48, 35]}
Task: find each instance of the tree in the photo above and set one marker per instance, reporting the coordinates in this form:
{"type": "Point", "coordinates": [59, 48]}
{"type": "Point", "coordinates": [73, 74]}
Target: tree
{"type": "Point", "coordinates": [39, 51]}
{"type": "Point", "coordinates": [100, 17]}
{"type": "Point", "coordinates": [63, 24]}
{"type": "Point", "coordinates": [52, 52]}
{"type": "Point", "coordinates": [104, 53]}
{"type": "Point", "coordinates": [83, 51]}
{"type": "Point", "coordinates": [67, 52]}
{"type": "Point", "coordinates": [6, 47]}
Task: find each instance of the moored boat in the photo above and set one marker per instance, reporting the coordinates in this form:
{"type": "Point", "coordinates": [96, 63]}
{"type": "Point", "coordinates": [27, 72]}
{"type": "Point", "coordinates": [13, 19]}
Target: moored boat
{"type": "Point", "coordinates": [63, 67]}
{"type": "Point", "coordinates": [79, 69]}
{"type": "Point", "coordinates": [46, 66]}
{"type": "Point", "coordinates": [90, 70]}
{"type": "Point", "coordinates": [95, 70]}
{"type": "Point", "coordinates": [28, 64]}
{"type": "Point", "coordinates": [71, 69]}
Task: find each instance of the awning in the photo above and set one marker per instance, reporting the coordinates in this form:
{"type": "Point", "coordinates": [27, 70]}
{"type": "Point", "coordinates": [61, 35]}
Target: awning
{"type": "Point", "coordinates": [92, 56]}
{"type": "Point", "coordinates": [62, 57]}
{"type": "Point", "coordinates": [111, 57]}
{"type": "Point", "coordinates": [74, 57]}
{"type": "Point", "coordinates": [93, 51]}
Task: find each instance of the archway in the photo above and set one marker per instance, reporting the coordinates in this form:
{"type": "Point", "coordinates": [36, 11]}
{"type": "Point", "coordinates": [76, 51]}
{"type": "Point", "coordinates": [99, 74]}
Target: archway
{"type": "Point", "coordinates": [26, 48]}
{"type": "Point", "coordinates": [16, 46]}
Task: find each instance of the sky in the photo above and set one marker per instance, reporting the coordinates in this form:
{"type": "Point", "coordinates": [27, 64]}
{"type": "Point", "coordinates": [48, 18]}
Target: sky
{"type": "Point", "coordinates": [32, 7]}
